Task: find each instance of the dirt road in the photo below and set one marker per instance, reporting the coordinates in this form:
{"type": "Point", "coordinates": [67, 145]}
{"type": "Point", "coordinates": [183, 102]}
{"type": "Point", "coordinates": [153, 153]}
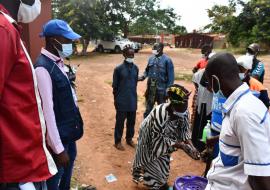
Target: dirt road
{"type": "Point", "coordinates": [97, 156]}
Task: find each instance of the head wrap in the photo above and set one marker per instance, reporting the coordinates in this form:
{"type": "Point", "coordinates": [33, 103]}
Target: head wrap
{"type": "Point", "coordinates": [178, 94]}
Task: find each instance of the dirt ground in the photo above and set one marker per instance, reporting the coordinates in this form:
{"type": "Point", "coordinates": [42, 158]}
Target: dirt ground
{"type": "Point", "coordinates": [97, 156]}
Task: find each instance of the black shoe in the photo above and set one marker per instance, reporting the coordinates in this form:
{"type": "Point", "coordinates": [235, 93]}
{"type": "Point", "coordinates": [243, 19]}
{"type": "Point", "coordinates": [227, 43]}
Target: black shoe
{"type": "Point", "coordinates": [131, 143]}
{"type": "Point", "coordinates": [119, 146]}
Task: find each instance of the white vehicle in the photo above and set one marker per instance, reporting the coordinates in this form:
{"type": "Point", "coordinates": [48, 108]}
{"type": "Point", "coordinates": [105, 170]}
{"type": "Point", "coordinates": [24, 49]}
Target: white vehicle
{"type": "Point", "coordinates": [135, 45]}
{"type": "Point", "coordinates": [114, 45]}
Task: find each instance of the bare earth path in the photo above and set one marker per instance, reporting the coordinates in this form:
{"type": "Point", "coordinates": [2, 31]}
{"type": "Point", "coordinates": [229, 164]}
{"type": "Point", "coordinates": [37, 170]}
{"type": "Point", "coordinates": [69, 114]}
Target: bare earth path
{"type": "Point", "coordinates": [97, 156]}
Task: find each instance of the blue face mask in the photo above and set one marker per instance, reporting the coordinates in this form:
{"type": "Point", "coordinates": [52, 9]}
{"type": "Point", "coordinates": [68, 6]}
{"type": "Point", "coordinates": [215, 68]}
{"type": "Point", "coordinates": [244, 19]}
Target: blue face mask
{"type": "Point", "coordinates": [217, 92]}
{"type": "Point", "coordinates": [67, 50]}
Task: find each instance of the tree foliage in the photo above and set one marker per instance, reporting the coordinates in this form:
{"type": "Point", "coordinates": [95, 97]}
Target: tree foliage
{"type": "Point", "coordinates": [251, 25]}
{"type": "Point", "coordinates": [221, 17]}
{"type": "Point", "coordinates": [107, 18]}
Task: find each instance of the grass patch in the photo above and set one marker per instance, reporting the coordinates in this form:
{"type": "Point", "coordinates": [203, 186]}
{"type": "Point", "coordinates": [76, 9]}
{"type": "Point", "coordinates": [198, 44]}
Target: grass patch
{"type": "Point", "coordinates": [184, 77]}
{"type": "Point", "coordinates": [80, 100]}
{"type": "Point", "coordinates": [109, 82]}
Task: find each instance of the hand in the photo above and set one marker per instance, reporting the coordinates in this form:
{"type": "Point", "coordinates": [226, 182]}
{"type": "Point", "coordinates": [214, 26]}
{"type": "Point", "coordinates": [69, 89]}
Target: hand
{"type": "Point", "coordinates": [210, 142]}
{"type": "Point", "coordinates": [191, 150]}
{"type": "Point", "coordinates": [62, 159]}
{"type": "Point", "coordinates": [195, 154]}
{"type": "Point", "coordinates": [178, 145]}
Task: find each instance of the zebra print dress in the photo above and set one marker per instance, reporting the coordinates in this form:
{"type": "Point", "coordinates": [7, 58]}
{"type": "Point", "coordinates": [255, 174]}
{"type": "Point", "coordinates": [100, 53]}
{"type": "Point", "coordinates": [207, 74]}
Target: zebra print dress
{"type": "Point", "coordinates": [157, 135]}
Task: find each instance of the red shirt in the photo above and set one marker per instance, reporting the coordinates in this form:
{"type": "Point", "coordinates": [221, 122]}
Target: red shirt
{"type": "Point", "coordinates": [202, 63]}
{"type": "Point", "coordinates": [23, 154]}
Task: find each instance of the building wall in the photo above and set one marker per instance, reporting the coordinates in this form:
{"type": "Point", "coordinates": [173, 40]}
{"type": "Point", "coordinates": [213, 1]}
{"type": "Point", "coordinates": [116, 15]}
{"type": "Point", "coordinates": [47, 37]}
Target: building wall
{"type": "Point", "coordinates": [31, 31]}
{"type": "Point", "coordinates": [192, 40]}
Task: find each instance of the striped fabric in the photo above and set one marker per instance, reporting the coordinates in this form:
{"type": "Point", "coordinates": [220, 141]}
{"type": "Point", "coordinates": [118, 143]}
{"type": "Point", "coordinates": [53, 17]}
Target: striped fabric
{"type": "Point", "coordinates": [157, 135]}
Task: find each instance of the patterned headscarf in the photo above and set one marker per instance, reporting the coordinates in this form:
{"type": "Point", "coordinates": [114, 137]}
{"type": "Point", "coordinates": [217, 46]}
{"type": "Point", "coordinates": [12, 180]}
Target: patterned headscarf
{"type": "Point", "coordinates": [178, 94]}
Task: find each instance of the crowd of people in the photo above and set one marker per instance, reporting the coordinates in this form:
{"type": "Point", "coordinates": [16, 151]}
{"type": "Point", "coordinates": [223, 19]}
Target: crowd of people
{"type": "Point", "coordinates": [230, 95]}
{"type": "Point", "coordinates": [40, 120]}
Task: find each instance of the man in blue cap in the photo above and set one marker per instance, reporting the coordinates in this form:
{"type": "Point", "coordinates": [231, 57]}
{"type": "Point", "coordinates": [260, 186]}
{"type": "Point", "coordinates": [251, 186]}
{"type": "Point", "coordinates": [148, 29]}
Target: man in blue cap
{"type": "Point", "coordinates": [62, 116]}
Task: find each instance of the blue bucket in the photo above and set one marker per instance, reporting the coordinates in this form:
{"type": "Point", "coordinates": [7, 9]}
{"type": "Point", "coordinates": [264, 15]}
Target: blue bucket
{"type": "Point", "coordinates": [190, 183]}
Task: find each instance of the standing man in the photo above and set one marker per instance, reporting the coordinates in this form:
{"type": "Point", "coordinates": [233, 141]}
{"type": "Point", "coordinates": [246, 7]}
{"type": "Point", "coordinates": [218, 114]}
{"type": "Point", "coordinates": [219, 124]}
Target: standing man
{"type": "Point", "coordinates": [243, 161]}
{"type": "Point", "coordinates": [62, 115]}
{"type": "Point", "coordinates": [206, 50]}
{"type": "Point", "coordinates": [257, 71]}
{"type": "Point", "coordinates": [160, 73]}
{"type": "Point", "coordinates": [203, 110]}
{"type": "Point", "coordinates": [125, 78]}
{"type": "Point", "coordinates": [23, 153]}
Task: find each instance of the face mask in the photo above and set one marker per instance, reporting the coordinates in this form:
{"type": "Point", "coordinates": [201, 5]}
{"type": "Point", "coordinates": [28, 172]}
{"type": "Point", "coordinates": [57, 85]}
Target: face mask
{"type": "Point", "coordinates": [130, 60]}
{"type": "Point", "coordinates": [249, 54]}
{"type": "Point", "coordinates": [180, 114]}
{"type": "Point", "coordinates": [242, 76]}
{"type": "Point", "coordinates": [155, 52]}
{"type": "Point", "coordinates": [67, 50]}
{"type": "Point", "coordinates": [217, 92]}
{"type": "Point", "coordinates": [27, 13]}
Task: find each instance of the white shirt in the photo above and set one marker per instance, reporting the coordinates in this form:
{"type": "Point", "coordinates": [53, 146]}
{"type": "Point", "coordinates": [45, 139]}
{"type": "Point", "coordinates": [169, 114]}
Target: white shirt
{"type": "Point", "coordinates": [204, 95]}
{"type": "Point", "coordinates": [244, 143]}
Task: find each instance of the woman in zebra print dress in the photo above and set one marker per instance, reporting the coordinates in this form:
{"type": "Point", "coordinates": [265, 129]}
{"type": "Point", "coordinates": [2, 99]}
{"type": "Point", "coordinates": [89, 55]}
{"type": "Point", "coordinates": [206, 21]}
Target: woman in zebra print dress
{"type": "Point", "coordinates": [160, 135]}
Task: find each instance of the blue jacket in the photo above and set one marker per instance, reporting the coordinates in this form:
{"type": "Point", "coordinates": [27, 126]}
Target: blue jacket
{"type": "Point", "coordinates": [258, 69]}
{"type": "Point", "coordinates": [162, 69]}
{"type": "Point", "coordinates": [125, 79]}
{"type": "Point", "coordinates": [67, 115]}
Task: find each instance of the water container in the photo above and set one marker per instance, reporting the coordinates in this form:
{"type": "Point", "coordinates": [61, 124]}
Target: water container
{"type": "Point", "coordinates": [190, 183]}
{"type": "Point", "coordinates": [206, 132]}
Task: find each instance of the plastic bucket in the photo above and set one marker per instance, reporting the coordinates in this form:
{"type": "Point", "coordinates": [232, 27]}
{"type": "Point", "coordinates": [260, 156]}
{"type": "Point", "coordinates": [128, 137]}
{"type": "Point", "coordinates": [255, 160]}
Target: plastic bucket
{"type": "Point", "coordinates": [190, 183]}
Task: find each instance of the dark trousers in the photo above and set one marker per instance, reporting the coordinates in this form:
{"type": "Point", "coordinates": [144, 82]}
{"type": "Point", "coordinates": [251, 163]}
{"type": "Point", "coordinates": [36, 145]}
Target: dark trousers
{"type": "Point", "coordinates": [121, 116]}
{"type": "Point", "coordinates": [61, 181]}
{"type": "Point", "coordinates": [160, 98]}
{"type": "Point", "coordinates": [198, 126]}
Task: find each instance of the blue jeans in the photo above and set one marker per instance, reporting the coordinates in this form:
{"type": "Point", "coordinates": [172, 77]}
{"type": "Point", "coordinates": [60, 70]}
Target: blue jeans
{"type": "Point", "coordinates": [160, 98]}
{"type": "Point", "coordinates": [61, 180]}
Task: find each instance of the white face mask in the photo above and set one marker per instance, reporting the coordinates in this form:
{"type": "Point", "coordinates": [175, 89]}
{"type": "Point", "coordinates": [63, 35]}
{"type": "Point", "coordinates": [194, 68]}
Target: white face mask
{"type": "Point", "coordinates": [130, 60]}
{"type": "Point", "coordinates": [28, 13]}
{"type": "Point", "coordinates": [180, 114]}
{"type": "Point", "coordinates": [249, 54]}
{"type": "Point", "coordinates": [242, 76]}
{"type": "Point", "coordinates": [155, 52]}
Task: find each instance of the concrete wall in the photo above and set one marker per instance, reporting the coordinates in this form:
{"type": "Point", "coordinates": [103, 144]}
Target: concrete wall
{"type": "Point", "coordinates": [31, 31]}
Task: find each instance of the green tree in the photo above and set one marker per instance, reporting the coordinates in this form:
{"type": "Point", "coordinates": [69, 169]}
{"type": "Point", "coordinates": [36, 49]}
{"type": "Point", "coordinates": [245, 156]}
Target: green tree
{"type": "Point", "coordinates": [151, 19]}
{"type": "Point", "coordinates": [221, 17]}
{"type": "Point", "coordinates": [108, 18]}
{"type": "Point", "coordinates": [251, 25]}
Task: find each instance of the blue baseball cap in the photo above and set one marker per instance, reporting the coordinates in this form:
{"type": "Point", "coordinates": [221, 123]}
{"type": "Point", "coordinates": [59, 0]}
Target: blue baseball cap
{"type": "Point", "coordinates": [58, 27]}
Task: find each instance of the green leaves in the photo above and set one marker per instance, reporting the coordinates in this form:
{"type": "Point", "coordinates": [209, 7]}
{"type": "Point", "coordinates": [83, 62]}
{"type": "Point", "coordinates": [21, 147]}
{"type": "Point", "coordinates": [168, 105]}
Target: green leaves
{"type": "Point", "coordinates": [251, 25]}
{"type": "Point", "coordinates": [107, 18]}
